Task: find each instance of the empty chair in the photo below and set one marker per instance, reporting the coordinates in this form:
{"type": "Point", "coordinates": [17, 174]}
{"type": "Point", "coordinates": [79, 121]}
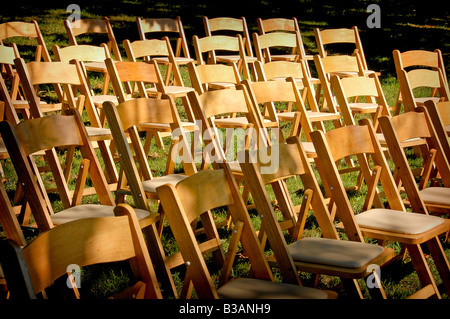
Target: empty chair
{"type": "Point", "coordinates": [76, 31]}
{"type": "Point", "coordinates": [185, 203]}
{"type": "Point", "coordinates": [270, 168]}
{"type": "Point", "coordinates": [421, 59]}
{"type": "Point", "coordinates": [123, 73]}
{"type": "Point", "coordinates": [68, 77]}
{"type": "Point", "coordinates": [230, 26]}
{"type": "Point", "coordinates": [125, 120]}
{"type": "Point", "coordinates": [328, 37]}
{"type": "Point", "coordinates": [86, 54]}
{"type": "Point", "coordinates": [47, 133]}
{"type": "Point", "coordinates": [35, 267]}
{"type": "Point", "coordinates": [418, 125]}
{"type": "Point", "coordinates": [205, 77]}
{"type": "Point", "coordinates": [375, 220]}
{"type": "Point", "coordinates": [233, 46]}
{"type": "Point", "coordinates": [283, 25]}
{"type": "Point", "coordinates": [150, 28]}
{"type": "Point", "coordinates": [409, 80]}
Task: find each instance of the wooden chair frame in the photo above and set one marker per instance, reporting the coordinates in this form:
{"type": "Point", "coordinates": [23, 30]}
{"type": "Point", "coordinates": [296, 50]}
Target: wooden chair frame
{"type": "Point", "coordinates": [184, 203]}
{"type": "Point", "coordinates": [413, 125]}
{"type": "Point", "coordinates": [96, 26]}
{"type": "Point", "coordinates": [440, 116]}
{"type": "Point", "coordinates": [295, 162]}
{"type": "Point", "coordinates": [225, 43]}
{"type": "Point", "coordinates": [99, 240]}
{"type": "Point", "coordinates": [362, 141]}
{"type": "Point", "coordinates": [420, 58]}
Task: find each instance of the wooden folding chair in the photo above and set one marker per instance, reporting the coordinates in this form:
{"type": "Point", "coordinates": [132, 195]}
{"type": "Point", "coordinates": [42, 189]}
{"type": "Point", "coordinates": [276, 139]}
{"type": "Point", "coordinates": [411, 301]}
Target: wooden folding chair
{"type": "Point", "coordinates": [440, 116]}
{"type": "Point", "coordinates": [349, 92]}
{"type": "Point", "coordinates": [85, 54]}
{"type": "Point", "coordinates": [282, 25]}
{"type": "Point", "coordinates": [28, 30]}
{"type": "Point", "coordinates": [299, 82]}
{"type": "Point", "coordinates": [421, 59]}
{"type": "Point", "coordinates": [9, 74]}
{"type": "Point", "coordinates": [418, 125]}
{"type": "Point", "coordinates": [150, 28]}
{"type": "Point", "coordinates": [234, 46]}
{"type": "Point", "coordinates": [68, 78]}
{"type": "Point", "coordinates": [207, 77]}
{"type": "Point", "coordinates": [76, 31]}
{"type": "Point", "coordinates": [230, 26]}
{"type": "Point", "coordinates": [151, 49]}
{"type": "Point", "coordinates": [385, 224]}
{"type": "Point", "coordinates": [35, 267]}
{"type": "Point", "coordinates": [123, 73]}
{"type": "Point", "coordinates": [330, 37]}
{"type": "Point", "coordinates": [185, 203]}
{"type": "Point", "coordinates": [273, 166]}
{"type": "Point", "coordinates": [45, 134]}
{"type": "Point", "coordinates": [126, 120]}
{"type": "Point", "coordinates": [428, 79]}
{"type": "Point", "coordinates": [340, 65]}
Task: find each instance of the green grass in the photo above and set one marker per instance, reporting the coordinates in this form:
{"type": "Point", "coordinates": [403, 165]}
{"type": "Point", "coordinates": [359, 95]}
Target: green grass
{"type": "Point", "coordinates": [399, 278]}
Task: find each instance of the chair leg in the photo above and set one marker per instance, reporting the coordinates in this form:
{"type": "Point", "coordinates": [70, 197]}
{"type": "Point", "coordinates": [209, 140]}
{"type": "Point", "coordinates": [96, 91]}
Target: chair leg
{"type": "Point", "coordinates": [422, 269]}
{"type": "Point", "coordinates": [441, 261]}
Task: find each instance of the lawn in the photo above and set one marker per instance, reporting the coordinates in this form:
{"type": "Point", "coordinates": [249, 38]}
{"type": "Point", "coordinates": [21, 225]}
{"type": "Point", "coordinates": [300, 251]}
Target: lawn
{"type": "Point", "coordinates": [405, 25]}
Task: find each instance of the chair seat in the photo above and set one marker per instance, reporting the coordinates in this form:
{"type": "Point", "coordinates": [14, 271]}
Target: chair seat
{"type": "Point", "coordinates": [422, 100]}
{"type": "Point", "coordinates": [89, 211]}
{"type": "Point", "coordinates": [178, 60]}
{"type": "Point", "coordinates": [397, 221]}
{"type": "Point", "coordinates": [152, 184]}
{"type": "Point", "coordinates": [249, 288]}
{"type": "Point", "coordinates": [99, 99]}
{"type": "Point", "coordinates": [233, 122]}
{"type": "Point", "coordinates": [363, 107]}
{"type": "Point", "coordinates": [332, 252]}
{"type": "Point", "coordinates": [173, 89]}
{"type": "Point", "coordinates": [97, 131]}
{"type": "Point", "coordinates": [165, 127]}
{"type": "Point", "coordinates": [436, 195]}
{"type": "Point", "coordinates": [95, 66]}
{"type": "Point", "coordinates": [234, 58]}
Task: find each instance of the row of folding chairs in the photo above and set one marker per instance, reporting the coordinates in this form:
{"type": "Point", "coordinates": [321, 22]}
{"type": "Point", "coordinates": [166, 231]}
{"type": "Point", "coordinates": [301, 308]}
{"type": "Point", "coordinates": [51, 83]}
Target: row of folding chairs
{"type": "Point", "coordinates": [204, 106]}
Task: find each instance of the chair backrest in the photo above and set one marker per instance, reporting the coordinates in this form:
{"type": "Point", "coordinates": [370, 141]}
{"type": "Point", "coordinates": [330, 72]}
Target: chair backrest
{"type": "Point", "coordinates": [98, 240]}
{"type": "Point", "coordinates": [124, 120]}
{"type": "Point", "coordinates": [342, 35]}
{"type": "Point", "coordinates": [413, 125]}
{"type": "Point", "coordinates": [225, 25]}
{"type": "Point", "coordinates": [146, 49]}
{"type": "Point", "coordinates": [124, 72]}
{"type": "Point", "coordinates": [278, 70]}
{"type": "Point", "coordinates": [27, 30]}
{"type": "Point", "coordinates": [356, 87]}
{"type": "Point", "coordinates": [206, 77]}
{"type": "Point", "coordinates": [286, 161]}
{"type": "Point", "coordinates": [420, 58]}
{"type": "Point", "coordinates": [266, 41]}
{"type": "Point", "coordinates": [45, 134]}
{"type": "Point", "coordinates": [170, 26]}
{"type": "Point", "coordinates": [361, 141]}
{"type": "Point", "coordinates": [185, 202]}
{"type": "Point", "coordinates": [81, 27]}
